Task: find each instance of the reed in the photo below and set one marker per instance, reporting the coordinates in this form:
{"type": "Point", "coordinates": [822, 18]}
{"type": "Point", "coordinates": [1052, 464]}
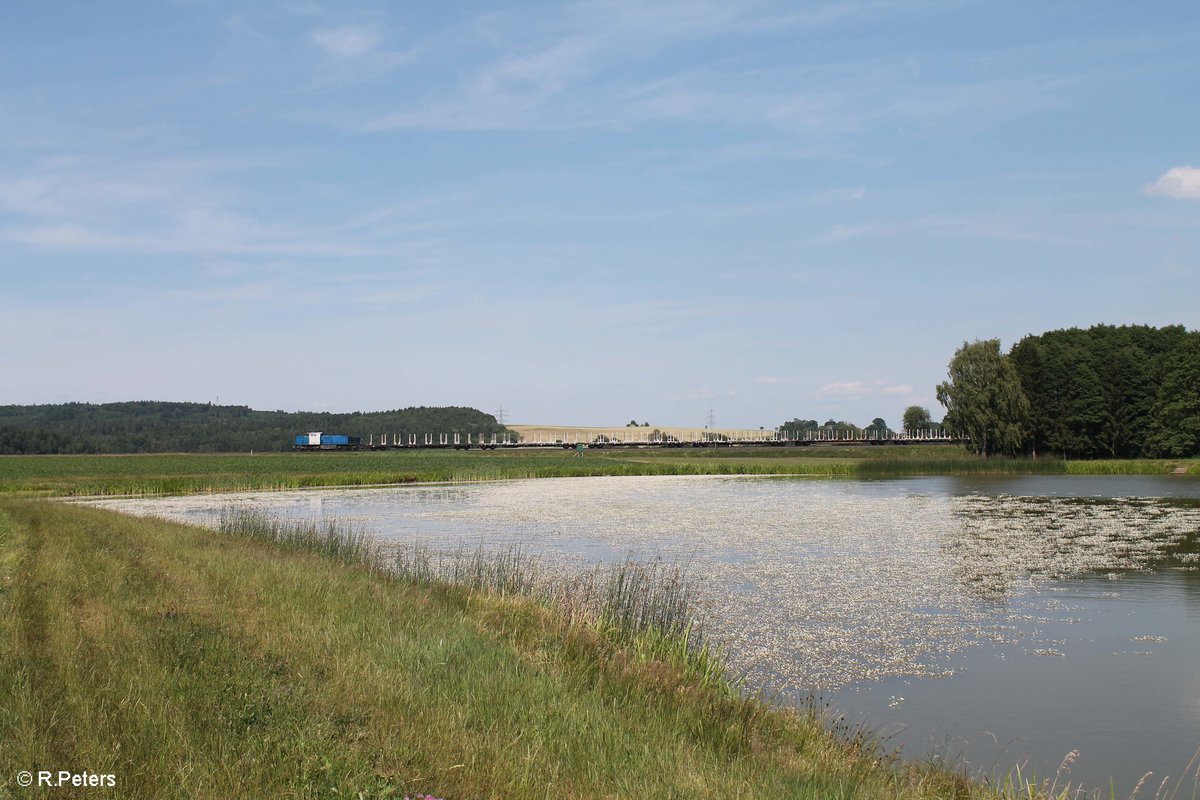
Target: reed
{"type": "Point", "coordinates": [1136, 466]}
{"type": "Point", "coordinates": [332, 539]}
{"type": "Point", "coordinates": [172, 474]}
{"type": "Point", "coordinates": [1017, 784]}
{"type": "Point", "coordinates": [650, 607]}
{"type": "Point", "coordinates": [964, 465]}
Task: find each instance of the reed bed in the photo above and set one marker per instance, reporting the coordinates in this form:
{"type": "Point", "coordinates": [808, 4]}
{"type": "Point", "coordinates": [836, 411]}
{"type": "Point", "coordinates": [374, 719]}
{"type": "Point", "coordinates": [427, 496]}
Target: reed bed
{"type": "Point", "coordinates": [1136, 466]}
{"type": "Point", "coordinates": [651, 607]}
{"type": "Point", "coordinates": [329, 538]}
{"type": "Point", "coordinates": [176, 474]}
{"type": "Point", "coordinates": [148, 475]}
{"type": "Point", "coordinates": [1016, 784]}
{"type": "Point", "coordinates": [960, 465]}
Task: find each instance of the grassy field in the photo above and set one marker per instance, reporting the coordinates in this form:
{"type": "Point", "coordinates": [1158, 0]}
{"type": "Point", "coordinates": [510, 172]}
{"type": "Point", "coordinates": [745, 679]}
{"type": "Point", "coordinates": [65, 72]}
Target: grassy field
{"type": "Point", "coordinates": [193, 663]}
{"type": "Point", "coordinates": [188, 473]}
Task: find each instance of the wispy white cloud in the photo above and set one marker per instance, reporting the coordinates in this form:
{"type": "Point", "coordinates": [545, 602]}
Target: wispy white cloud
{"type": "Point", "coordinates": [767, 380]}
{"type": "Point", "coordinates": [166, 206]}
{"type": "Point", "coordinates": [1182, 183]}
{"type": "Point", "coordinates": [852, 388]}
{"type": "Point", "coordinates": [902, 388]}
{"type": "Point", "coordinates": [514, 92]}
{"type": "Point", "coordinates": [203, 241]}
{"type": "Point", "coordinates": [588, 48]}
{"type": "Point", "coordinates": [694, 394]}
{"type": "Point", "coordinates": [841, 99]}
{"type": "Point", "coordinates": [982, 226]}
{"type": "Point", "coordinates": [301, 9]}
{"type": "Point", "coordinates": [350, 41]}
{"type": "Point", "coordinates": [239, 25]}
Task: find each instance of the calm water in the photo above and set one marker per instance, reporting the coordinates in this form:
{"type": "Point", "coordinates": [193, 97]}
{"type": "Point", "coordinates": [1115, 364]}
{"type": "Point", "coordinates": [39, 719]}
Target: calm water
{"type": "Point", "coordinates": [995, 621]}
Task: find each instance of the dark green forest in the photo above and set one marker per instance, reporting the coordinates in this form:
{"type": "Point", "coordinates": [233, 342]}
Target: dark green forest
{"type": "Point", "coordinates": [1104, 392]}
{"type": "Point", "coordinates": [161, 427]}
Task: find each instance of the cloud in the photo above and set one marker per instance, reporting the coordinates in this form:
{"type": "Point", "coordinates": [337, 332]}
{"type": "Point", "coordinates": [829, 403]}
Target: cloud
{"type": "Point", "coordinates": [1182, 183]}
{"type": "Point", "coordinates": [903, 388]}
{"type": "Point", "coordinates": [767, 380]}
{"type": "Point", "coordinates": [988, 226]}
{"type": "Point", "coordinates": [569, 69]}
{"type": "Point", "coordinates": [350, 41]}
{"type": "Point", "coordinates": [189, 206]}
{"type": "Point", "coordinates": [859, 193]}
{"type": "Point", "coordinates": [301, 9]}
{"type": "Point", "coordinates": [694, 394]}
{"type": "Point", "coordinates": [842, 389]}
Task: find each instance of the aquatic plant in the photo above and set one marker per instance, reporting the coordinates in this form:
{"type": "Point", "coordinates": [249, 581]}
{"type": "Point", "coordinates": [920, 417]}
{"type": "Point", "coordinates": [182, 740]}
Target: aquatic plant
{"type": "Point", "coordinates": [330, 538]}
{"type": "Point", "coordinates": [649, 606]}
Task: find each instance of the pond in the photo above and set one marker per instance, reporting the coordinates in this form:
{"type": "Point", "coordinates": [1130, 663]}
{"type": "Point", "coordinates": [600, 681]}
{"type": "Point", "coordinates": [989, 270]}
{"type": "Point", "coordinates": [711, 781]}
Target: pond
{"type": "Point", "coordinates": [988, 621]}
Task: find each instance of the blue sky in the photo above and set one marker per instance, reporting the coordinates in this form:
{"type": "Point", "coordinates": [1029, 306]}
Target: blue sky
{"type": "Point", "coordinates": [587, 212]}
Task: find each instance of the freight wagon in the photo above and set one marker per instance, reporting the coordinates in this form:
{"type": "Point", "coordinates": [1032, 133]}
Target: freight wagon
{"type": "Point", "coordinates": [318, 440]}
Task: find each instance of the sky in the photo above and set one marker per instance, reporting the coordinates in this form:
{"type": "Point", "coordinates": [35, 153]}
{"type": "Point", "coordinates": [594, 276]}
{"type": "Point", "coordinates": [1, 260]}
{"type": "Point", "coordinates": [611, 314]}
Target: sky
{"type": "Point", "coordinates": [583, 212]}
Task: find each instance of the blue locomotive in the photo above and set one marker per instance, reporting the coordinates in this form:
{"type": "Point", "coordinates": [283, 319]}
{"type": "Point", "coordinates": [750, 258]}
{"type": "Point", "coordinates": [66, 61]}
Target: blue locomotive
{"type": "Point", "coordinates": [318, 440]}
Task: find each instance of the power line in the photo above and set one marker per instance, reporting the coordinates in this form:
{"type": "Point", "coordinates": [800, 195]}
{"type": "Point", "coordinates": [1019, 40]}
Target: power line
{"type": "Point", "coordinates": [500, 414]}
{"type": "Point", "coordinates": [711, 419]}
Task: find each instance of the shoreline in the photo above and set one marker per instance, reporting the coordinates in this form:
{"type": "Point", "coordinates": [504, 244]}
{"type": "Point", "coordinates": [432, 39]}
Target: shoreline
{"type": "Point", "coordinates": [140, 475]}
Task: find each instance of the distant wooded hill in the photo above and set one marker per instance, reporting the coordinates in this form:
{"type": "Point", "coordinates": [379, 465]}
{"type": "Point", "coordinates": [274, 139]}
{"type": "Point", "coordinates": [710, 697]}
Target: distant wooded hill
{"type": "Point", "coordinates": [157, 427]}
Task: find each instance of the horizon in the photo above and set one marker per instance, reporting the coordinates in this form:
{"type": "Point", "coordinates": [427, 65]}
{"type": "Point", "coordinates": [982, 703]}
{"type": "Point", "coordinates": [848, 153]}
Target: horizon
{"type": "Point", "coordinates": [510, 424]}
{"type": "Point", "coordinates": [765, 210]}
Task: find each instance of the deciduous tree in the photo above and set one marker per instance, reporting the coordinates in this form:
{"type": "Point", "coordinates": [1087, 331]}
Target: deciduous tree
{"type": "Point", "coordinates": [983, 398]}
{"type": "Point", "coordinates": [916, 418]}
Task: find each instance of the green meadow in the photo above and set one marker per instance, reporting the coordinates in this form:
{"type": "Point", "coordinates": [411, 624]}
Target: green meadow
{"type": "Point", "coordinates": [187, 473]}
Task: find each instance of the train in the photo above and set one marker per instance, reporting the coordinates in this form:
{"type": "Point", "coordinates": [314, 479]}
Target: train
{"type": "Point", "coordinates": [319, 440]}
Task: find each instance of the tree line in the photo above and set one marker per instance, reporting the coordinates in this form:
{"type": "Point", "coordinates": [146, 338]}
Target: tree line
{"type": "Point", "coordinates": [915, 420]}
{"type": "Point", "coordinates": [1104, 392]}
{"type": "Point", "coordinates": [156, 427]}
{"type": "Point", "coordinates": [799, 428]}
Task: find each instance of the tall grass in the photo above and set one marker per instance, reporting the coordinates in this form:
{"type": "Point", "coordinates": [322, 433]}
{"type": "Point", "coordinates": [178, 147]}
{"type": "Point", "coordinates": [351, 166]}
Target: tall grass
{"type": "Point", "coordinates": [962, 465]}
{"type": "Point", "coordinates": [332, 539]}
{"type": "Point", "coordinates": [648, 606]}
{"type": "Point", "coordinates": [1017, 785]}
{"type": "Point", "coordinates": [1134, 466]}
{"type": "Point", "coordinates": [199, 473]}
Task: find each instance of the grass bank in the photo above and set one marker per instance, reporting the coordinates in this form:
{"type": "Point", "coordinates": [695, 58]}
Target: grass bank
{"type": "Point", "coordinates": [273, 663]}
{"type": "Point", "coordinates": [194, 473]}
